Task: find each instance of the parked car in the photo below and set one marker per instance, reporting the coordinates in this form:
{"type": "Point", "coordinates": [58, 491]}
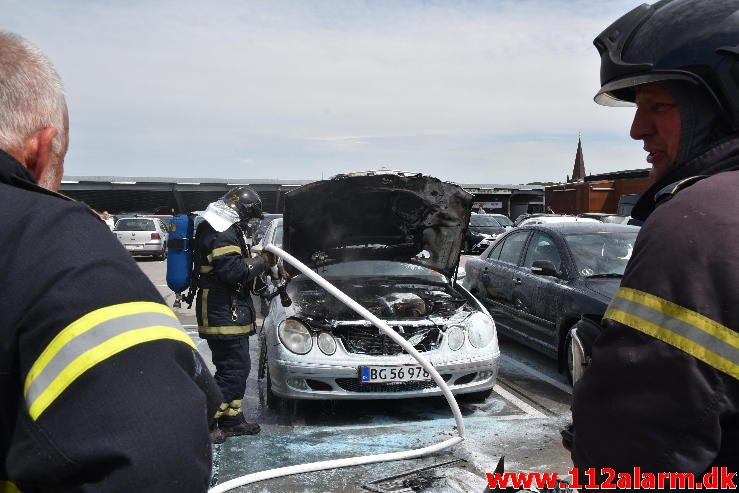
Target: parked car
{"type": "Point", "coordinates": [605, 217]}
{"type": "Point", "coordinates": [522, 217]}
{"type": "Point", "coordinates": [394, 251]}
{"type": "Point", "coordinates": [555, 218]}
{"type": "Point", "coordinates": [143, 235]}
{"type": "Point", "coordinates": [483, 229]}
{"type": "Point", "coordinates": [539, 280]}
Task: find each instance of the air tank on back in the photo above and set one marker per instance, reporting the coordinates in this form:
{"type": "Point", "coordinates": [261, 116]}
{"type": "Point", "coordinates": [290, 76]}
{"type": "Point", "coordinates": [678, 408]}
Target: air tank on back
{"type": "Point", "coordinates": [179, 261]}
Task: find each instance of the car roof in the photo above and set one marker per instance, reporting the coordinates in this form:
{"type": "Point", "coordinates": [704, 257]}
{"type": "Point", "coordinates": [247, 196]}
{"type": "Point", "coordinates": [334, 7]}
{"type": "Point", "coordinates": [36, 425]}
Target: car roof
{"type": "Point", "coordinates": [594, 227]}
{"type": "Point", "coordinates": [556, 219]}
{"type": "Point", "coordinates": [121, 218]}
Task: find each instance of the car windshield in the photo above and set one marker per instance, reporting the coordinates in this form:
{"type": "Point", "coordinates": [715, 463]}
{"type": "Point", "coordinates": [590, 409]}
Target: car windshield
{"type": "Point", "coordinates": [504, 221]}
{"type": "Point", "coordinates": [601, 254]}
{"type": "Point", "coordinates": [134, 225]}
{"type": "Point", "coordinates": [380, 268]}
{"type": "Point", "coordinates": [483, 220]}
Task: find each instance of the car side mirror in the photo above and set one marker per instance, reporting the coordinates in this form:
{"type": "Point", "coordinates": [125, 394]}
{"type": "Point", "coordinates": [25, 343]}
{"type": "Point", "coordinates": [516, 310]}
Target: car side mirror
{"type": "Point", "coordinates": [544, 268]}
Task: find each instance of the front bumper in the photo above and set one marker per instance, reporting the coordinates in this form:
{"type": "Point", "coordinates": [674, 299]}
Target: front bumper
{"type": "Point", "coordinates": [337, 377]}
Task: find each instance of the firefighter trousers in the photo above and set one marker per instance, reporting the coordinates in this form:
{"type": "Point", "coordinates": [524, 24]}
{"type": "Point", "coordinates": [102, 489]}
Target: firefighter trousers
{"type": "Point", "coordinates": [232, 362]}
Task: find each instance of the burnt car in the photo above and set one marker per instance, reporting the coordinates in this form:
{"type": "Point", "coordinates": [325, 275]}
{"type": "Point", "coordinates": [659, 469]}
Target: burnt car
{"type": "Point", "coordinates": [392, 242]}
{"type": "Point", "coordinates": [539, 280]}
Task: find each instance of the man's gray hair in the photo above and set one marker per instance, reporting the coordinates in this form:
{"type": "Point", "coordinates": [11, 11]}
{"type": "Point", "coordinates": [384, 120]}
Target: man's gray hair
{"type": "Point", "coordinates": [31, 94]}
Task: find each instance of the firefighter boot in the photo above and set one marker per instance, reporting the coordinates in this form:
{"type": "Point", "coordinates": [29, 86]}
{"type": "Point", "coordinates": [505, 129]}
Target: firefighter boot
{"type": "Point", "coordinates": [244, 428]}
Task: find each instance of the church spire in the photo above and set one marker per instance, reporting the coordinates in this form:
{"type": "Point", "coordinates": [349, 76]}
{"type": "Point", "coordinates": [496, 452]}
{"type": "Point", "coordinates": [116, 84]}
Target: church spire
{"type": "Point", "coordinates": [578, 172]}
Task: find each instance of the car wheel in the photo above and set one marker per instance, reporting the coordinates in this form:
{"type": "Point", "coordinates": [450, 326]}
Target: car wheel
{"type": "Point", "coordinates": [568, 356]}
{"type": "Point", "coordinates": [476, 396]}
{"type": "Point", "coordinates": [262, 368]}
{"type": "Point", "coordinates": [467, 246]}
{"type": "Point", "coordinates": [163, 253]}
{"type": "Point", "coordinates": [273, 400]}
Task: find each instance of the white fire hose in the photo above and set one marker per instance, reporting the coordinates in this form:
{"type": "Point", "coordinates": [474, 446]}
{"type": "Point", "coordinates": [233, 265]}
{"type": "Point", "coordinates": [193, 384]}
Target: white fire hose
{"type": "Point", "coordinates": [366, 459]}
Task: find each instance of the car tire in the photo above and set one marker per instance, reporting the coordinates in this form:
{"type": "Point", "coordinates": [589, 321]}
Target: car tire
{"type": "Point", "coordinates": [163, 254]}
{"type": "Point", "coordinates": [467, 247]}
{"type": "Point", "coordinates": [262, 367]}
{"type": "Point", "coordinates": [568, 359]}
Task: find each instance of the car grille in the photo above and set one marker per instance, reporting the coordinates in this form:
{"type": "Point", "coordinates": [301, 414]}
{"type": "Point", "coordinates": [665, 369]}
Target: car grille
{"type": "Point", "coordinates": [354, 385]}
{"type": "Point", "coordinates": [368, 340]}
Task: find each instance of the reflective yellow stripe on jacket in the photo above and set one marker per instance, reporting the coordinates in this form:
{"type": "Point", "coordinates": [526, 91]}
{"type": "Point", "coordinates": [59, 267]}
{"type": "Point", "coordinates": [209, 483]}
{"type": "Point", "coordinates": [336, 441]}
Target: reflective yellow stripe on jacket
{"type": "Point", "coordinates": [696, 334]}
{"type": "Point", "coordinates": [92, 339]}
{"type": "Point", "coordinates": [217, 252]}
{"type": "Point", "coordinates": [8, 487]}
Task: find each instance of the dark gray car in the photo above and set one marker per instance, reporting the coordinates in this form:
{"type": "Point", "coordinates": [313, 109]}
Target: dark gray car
{"type": "Point", "coordinates": [537, 281]}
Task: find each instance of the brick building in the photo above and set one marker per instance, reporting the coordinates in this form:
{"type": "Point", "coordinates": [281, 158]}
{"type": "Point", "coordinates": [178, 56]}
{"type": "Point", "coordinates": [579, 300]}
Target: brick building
{"type": "Point", "coordinates": [594, 193]}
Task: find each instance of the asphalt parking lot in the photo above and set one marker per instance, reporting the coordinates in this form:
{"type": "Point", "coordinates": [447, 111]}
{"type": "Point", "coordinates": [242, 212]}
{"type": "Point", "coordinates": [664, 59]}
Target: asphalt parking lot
{"type": "Point", "coordinates": [520, 420]}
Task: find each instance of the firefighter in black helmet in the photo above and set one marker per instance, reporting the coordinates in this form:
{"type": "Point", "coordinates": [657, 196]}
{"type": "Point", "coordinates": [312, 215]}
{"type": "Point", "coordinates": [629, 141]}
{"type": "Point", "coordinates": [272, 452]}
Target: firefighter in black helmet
{"type": "Point", "coordinates": [224, 308]}
{"type": "Point", "coordinates": [662, 391]}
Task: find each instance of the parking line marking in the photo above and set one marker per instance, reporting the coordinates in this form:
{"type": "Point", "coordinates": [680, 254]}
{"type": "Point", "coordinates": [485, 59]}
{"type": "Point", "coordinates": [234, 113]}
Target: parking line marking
{"type": "Point", "coordinates": [541, 376]}
{"type": "Point", "coordinates": [523, 406]}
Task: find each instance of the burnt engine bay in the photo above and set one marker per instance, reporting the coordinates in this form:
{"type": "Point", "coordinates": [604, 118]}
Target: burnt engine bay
{"type": "Point", "coordinates": [418, 312]}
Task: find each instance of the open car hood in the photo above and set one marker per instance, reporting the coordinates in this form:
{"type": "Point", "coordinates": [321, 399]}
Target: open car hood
{"type": "Point", "coordinates": [378, 216]}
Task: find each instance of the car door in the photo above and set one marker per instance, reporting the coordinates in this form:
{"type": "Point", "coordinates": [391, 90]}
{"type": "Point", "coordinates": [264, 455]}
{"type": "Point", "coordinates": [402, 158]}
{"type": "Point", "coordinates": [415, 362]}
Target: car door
{"type": "Point", "coordinates": [498, 277]}
{"type": "Point", "coordinates": [538, 300]}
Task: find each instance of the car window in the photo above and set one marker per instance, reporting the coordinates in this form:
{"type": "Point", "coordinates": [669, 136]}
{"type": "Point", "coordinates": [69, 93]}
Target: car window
{"type": "Point", "coordinates": [601, 254]}
{"type": "Point", "coordinates": [483, 220]}
{"type": "Point", "coordinates": [135, 225]}
{"type": "Point", "coordinates": [495, 252]}
{"type": "Point", "coordinates": [542, 247]}
{"type": "Point", "coordinates": [511, 250]}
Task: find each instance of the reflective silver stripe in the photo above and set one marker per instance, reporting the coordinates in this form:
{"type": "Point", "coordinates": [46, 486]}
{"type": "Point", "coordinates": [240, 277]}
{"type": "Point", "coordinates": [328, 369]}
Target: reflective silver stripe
{"type": "Point", "coordinates": [679, 327]}
{"type": "Point", "coordinates": [89, 340]}
{"type": "Point", "coordinates": [692, 332]}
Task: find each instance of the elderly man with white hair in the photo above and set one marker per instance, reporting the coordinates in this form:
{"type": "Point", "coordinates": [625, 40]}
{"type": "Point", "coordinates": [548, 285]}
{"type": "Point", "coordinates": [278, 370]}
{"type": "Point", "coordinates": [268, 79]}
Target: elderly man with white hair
{"type": "Point", "coordinates": [100, 388]}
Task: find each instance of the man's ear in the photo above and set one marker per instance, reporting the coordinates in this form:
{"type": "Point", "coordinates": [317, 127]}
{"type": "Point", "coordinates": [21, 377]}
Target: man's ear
{"type": "Point", "coordinates": [38, 155]}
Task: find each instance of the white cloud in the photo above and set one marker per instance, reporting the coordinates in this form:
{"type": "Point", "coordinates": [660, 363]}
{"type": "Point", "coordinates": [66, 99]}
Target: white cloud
{"type": "Point", "coordinates": [471, 91]}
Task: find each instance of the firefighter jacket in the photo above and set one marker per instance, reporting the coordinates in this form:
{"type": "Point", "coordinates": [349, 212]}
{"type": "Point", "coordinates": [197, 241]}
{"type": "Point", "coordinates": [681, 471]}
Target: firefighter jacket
{"type": "Point", "coordinates": [226, 273]}
{"type": "Point", "coordinates": [100, 388]}
{"type": "Point", "coordinates": [662, 391]}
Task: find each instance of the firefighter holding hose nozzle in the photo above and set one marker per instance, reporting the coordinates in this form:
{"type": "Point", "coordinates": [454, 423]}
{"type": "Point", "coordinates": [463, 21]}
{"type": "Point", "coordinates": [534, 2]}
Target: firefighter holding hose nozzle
{"type": "Point", "coordinates": [225, 273]}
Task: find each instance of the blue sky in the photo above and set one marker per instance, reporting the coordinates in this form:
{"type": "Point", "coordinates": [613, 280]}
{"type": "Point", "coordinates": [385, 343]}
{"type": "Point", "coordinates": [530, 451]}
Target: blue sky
{"type": "Point", "coordinates": [470, 91]}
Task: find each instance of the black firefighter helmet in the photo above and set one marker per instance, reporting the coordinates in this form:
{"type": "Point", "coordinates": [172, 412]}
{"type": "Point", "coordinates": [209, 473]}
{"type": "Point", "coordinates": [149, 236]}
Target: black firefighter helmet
{"type": "Point", "coordinates": [245, 201]}
{"type": "Point", "coordinates": [689, 40]}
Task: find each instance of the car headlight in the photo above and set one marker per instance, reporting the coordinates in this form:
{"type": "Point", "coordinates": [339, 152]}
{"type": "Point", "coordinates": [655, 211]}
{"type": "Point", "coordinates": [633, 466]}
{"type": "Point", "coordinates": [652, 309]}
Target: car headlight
{"type": "Point", "coordinates": [326, 343]}
{"type": "Point", "coordinates": [480, 329]}
{"type": "Point", "coordinates": [455, 338]}
{"type": "Point", "coordinates": [295, 336]}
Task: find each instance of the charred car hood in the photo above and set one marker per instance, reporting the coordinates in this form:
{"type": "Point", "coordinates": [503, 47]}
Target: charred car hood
{"type": "Point", "coordinates": [409, 218]}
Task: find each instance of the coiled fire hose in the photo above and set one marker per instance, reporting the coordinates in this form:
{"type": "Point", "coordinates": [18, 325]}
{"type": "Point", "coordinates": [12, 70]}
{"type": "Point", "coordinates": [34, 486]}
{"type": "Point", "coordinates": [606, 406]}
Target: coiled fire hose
{"type": "Point", "coordinates": [365, 459]}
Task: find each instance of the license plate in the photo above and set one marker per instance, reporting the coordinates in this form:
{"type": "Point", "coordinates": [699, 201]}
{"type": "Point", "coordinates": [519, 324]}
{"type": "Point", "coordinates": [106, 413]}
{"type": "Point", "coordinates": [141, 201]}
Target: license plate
{"type": "Point", "coordinates": [408, 373]}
